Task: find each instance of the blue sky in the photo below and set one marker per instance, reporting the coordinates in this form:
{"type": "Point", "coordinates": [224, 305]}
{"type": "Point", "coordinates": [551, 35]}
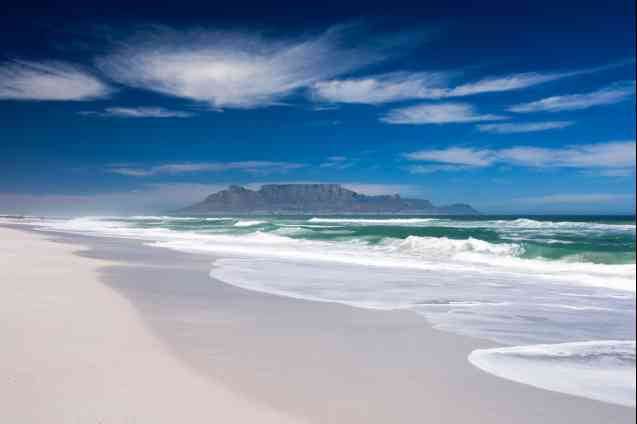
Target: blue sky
{"type": "Point", "coordinates": [513, 108]}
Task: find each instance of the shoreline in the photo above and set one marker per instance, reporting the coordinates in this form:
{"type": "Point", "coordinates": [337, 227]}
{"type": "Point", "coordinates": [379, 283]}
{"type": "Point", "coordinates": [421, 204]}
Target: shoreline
{"type": "Point", "coordinates": [319, 362]}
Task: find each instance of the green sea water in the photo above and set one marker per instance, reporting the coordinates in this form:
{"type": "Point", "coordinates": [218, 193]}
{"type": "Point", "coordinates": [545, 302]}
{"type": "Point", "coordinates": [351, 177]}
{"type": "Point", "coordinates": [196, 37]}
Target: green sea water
{"type": "Point", "coordinates": [576, 238]}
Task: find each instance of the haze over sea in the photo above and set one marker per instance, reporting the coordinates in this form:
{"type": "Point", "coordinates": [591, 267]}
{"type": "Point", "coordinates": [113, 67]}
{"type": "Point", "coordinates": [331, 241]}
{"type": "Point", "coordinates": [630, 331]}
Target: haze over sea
{"type": "Point", "coordinates": [558, 290]}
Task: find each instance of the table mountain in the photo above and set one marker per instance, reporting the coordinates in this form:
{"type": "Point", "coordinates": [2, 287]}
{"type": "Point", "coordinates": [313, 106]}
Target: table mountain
{"type": "Point", "coordinates": [313, 198]}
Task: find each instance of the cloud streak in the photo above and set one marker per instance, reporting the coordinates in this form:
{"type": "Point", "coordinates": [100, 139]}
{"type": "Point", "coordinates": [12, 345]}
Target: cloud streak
{"type": "Point", "coordinates": [49, 81]}
{"type": "Point", "coordinates": [611, 94]}
{"type": "Point", "coordinates": [138, 112]}
{"type": "Point", "coordinates": [251, 167]}
{"type": "Point", "coordinates": [381, 88]}
{"type": "Point", "coordinates": [398, 86]}
{"type": "Point", "coordinates": [613, 159]}
{"type": "Point", "coordinates": [523, 127]}
{"type": "Point", "coordinates": [337, 162]}
{"type": "Point", "coordinates": [430, 169]}
{"type": "Point", "coordinates": [236, 70]}
{"type": "Point", "coordinates": [440, 113]}
{"type": "Point", "coordinates": [454, 156]}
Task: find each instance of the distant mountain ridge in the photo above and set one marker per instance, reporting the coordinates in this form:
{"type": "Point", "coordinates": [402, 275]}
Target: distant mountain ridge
{"type": "Point", "coordinates": [314, 198]}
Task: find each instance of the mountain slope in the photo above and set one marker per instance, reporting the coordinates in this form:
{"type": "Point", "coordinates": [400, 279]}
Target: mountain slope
{"type": "Point", "coordinates": [313, 198]}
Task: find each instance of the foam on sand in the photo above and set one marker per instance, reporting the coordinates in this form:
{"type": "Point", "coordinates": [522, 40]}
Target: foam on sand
{"type": "Point", "coordinates": [600, 370]}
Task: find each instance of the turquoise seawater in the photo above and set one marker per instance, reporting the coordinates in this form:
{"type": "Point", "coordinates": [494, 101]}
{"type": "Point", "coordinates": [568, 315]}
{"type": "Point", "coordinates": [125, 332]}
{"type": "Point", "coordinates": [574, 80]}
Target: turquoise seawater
{"type": "Point", "coordinates": [595, 239]}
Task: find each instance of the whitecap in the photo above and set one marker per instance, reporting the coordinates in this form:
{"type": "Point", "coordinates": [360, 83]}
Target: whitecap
{"type": "Point", "coordinates": [247, 223]}
{"type": "Point", "coordinates": [373, 221]}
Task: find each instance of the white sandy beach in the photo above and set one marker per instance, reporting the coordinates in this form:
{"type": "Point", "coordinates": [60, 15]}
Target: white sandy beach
{"type": "Point", "coordinates": [74, 351]}
{"type": "Point", "coordinates": [123, 333]}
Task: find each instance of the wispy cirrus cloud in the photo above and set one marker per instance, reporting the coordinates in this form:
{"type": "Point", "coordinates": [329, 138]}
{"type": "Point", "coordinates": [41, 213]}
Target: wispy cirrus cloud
{"type": "Point", "coordinates": [454, 156]}
{"type": "Point", "coordinates": [612, 158]}
{"type": "Point", "coordinates": [382, 88]}
{"type": "Point", "coordinates": [138, 112]}
{"type": "Point", "coordinates": [437, 113]}
{"type": "Point", "coordinates": [602, 155]}
{"type": "Point", "coordinates": [507, 83]}
{"type": "Point", "coordinates": [523, 127]}
{"type": "Point", "coordinates": [397, 86]}
{"type": "Point", "coordinates": [238, 69]}
{"type": "Point", "coordinates": [431, 168]}
{"type": "Point", "coordinates": [53, 81]}
{"type": "Point", "coordinates": [337, 162]}
{"type": "Point", "coordinates": [523, 80]}
{"type": "Point", "coordinates": [251, 167]}
{"type": "Point", "coordinates": [610, 94]}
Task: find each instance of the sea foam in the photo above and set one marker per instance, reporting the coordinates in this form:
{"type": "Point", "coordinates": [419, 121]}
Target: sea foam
{"type": "Point", "coordinates": [248, 223]}
{"type": "Point", "coordinates": [600, 370]}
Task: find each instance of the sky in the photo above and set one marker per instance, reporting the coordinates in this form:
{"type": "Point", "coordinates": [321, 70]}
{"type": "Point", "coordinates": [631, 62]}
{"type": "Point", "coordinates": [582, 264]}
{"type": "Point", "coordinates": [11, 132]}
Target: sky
{"type": "Point", "coordinates": [514, 108]}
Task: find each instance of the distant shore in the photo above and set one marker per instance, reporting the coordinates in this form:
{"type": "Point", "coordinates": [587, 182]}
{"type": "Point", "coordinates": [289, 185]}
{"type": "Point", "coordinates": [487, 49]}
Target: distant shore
{"type": "Point", "coordinates": [109, 330]}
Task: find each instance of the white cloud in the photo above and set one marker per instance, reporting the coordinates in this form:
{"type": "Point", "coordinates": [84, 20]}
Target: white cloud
{"type": "Point", "coordinates": [454, 156]}
{"type": "Point", "coordinates": [138, 112]}
{"type": "Point", "coordinates": [523, 127]}
{"type": "Point", "coordinates": [586, 198]}
{"type": "Point", "coordinates": [252, 167]}
{"type": "Point", "coordinates": [506, 83]}
{"type": "Point", "coordinates": [337, 162]}
{"type": "Point", "coordinates": [610, 158]}
{"type": "Point", "coordinates": [430, 169]}
{"type": "Point", "coordinates": [324, 107]}
{"type": "Point", "coordinates": [611, 94]}
{"type": "Point", "coordinates": [22, 80]}
{"type": "Point", "coordinates": [235, 70]}
{"type": "Point", "coordinates": [440, 113]}
{"type": "Point", "coordinates": [382, 88]}
{"type": "Point", "coordinates": [397, 86]}
{"type": "Point", "coordinates": [603, 155]}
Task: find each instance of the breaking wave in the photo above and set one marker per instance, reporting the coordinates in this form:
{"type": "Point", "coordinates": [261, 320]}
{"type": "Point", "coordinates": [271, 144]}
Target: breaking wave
{"type": "Point", "coordinates": [248, 223]}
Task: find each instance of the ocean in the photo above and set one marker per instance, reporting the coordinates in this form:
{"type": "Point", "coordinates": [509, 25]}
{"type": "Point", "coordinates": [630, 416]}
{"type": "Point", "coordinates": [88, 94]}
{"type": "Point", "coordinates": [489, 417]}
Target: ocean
{"type": "Point", "coordinates": [558, 292]}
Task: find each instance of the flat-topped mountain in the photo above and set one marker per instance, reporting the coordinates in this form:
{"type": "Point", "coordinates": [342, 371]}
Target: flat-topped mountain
{"type": "Point", "coordinates": [314, 198]}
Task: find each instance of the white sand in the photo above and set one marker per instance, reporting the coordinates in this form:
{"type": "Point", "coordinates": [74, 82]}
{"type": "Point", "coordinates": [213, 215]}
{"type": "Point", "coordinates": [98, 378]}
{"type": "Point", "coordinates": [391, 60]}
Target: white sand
{"type": "Point", "coordinates": [74, 351]}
